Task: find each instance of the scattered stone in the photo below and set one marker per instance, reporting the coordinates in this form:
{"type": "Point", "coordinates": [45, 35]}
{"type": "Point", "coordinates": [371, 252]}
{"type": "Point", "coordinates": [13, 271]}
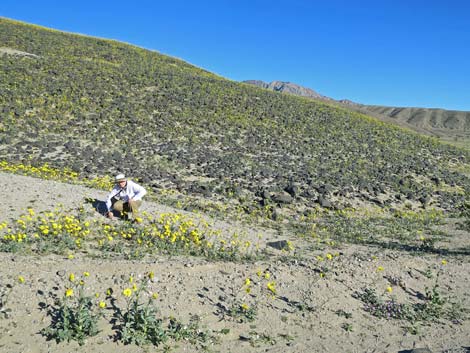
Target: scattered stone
{"type": "Point", "coordinates": [324, 202]}
{"type": "Point", "coordinates": [279, 245]}
{"type": "Point", "coordinates": [283, 198]}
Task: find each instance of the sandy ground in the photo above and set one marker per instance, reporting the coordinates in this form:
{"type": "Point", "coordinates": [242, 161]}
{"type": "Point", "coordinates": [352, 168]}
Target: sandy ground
{"type": "Point", "coordinates": [304, 317]}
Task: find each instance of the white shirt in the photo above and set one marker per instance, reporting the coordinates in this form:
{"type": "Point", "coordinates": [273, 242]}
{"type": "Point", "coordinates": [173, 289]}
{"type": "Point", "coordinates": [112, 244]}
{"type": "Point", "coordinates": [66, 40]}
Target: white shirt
{"type": "Point", "coordinates": [132, 191]}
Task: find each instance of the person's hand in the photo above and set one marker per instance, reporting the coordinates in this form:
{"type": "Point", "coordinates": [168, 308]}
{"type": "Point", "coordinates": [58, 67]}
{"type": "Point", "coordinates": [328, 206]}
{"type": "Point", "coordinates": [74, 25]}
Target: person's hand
{"type": "Point", "coordinates": [110, 215]}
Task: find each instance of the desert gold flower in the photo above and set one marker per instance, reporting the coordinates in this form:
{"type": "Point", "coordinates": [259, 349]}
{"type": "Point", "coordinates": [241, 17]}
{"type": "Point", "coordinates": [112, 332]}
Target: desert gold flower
{"type": "Point", "coordinates": [245, 306]}
{"type": "Point", "coordinates": [21, 279]}
{"type": "Point", "coordinates": [155, 295]}
{"type": "Point", "coordinates": [127, 292]}
{"type": "Point", "coordinates": [71, 256]}
{"type": "Point", "coordinates": [267, 275]}
{"type": "Point", "coordinates": [329, 256]}
{"type": "Point", "coordinates": [380, 268]}
{"type": "Point", "coordinates": [272, 287]}
{"type": "Point", "coordinates": [71, 277]}
{"type": "Point", "coordinates": [151, 275]}
{"type": "Point", "coordinates": [247, 282]}
{"type": "Point", "coordinates": [444, 262]}
{"type": "Point", "coordinates": [69, 292]}
{"type": "Point", "coordinates": [389, 289]}
{"type": "Point", "coordinates": [86, 274]}
{"type": "Point", "coordinates": [102, 305]}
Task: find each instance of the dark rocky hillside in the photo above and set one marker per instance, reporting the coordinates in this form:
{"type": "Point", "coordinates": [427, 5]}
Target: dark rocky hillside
{"type": "Point", "coordinates": [100, 106]}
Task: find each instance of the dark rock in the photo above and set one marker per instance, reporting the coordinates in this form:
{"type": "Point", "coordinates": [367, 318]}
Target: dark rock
{"type": "Point", "coordinates": [279, 245]}
{"type": "Point", "coordinates": [416, 350]}
{"type": "Point", "coordinates": [324, 202]}
{"type": "Point", "coordinates": [292, 190]}
{"type": "Point", "coordinates": [283, 198]}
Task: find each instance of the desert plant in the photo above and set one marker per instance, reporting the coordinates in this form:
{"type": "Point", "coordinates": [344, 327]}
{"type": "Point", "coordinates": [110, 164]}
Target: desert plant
{"type": "Point", "coordinates": [75, 315]}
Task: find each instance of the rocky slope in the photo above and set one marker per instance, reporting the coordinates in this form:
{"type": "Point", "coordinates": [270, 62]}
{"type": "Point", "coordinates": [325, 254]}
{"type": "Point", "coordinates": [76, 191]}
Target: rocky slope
{"type": "Point", "coordinates": [443, 123]}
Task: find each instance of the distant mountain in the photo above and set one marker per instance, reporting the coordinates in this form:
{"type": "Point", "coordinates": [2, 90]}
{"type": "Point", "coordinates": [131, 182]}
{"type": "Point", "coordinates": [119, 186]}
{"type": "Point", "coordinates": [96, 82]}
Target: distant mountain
{"type": "Point", "coordinates": [288, 87]}
{"type": "Point", "coordinates": [435, 122]}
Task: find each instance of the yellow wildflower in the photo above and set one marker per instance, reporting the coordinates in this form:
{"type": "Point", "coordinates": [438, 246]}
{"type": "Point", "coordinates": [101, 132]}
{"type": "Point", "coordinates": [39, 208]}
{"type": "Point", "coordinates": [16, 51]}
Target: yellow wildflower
{"type": "Point", "coordinates": [389, 289]}
{"type": "Point", "coordinates": [247, 282]}
{"type": "Point", "coordinates": [86, 274]}
{"type": "Point", "coordinates": [245, 306]}
{"type": "Point", "coordinates": [155, 295]}
{"type": "Point", "coordinates": [272, 287]}
{"type": "Point", "coordinates": [380, 268]}
{"type": "Point", "coordinates": [21, 279]}
{"type": "Point", "coordinates": [102, 305]}
{"type": "Point", "coordinates": [69, 292]}
{"type": "Point", "coordinates": [127, 292]}
{"type": "Point", "coordinates": [71, 277]}
{"type": "Point", "coordinates": [444, 262]}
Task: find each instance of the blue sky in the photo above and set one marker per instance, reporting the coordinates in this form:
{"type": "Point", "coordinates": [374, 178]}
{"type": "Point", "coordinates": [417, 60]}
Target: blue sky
{"type": "Point", "coordinates": [394, 53]}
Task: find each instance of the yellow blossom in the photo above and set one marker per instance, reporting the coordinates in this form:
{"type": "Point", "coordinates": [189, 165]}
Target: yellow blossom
{"type": "Point", "coordinates": [127, 292]}
{"type": "Point", "coordinates": [69, 292]}
{"type": "Point", "coordinates": [329, 256]}
{"type": "Point", "coordinates": [71, 277]}
{"type": "Point", "coordinates": [21, 279]}
{"type": "Point", "coordinates": [155, 295]}
{"type": "Point", "coordinates": [444, 262]}
{"type": "Point", "coordinates": [272, 287]}
{"type": "Point", "coordinates": [389, 289]}
{"type": "Point", "coordinates": [245, 306]}
{"type": "Point", "coordinates": [247, 282]}
{"type": "Point", "coordinates": [267, 275]}
{"type": "Point", "coordinates": [102, 305]}
{"type": "Point", "coordinates": [86, 274]}
{"type": "Point", "coordinates": [380, 268]}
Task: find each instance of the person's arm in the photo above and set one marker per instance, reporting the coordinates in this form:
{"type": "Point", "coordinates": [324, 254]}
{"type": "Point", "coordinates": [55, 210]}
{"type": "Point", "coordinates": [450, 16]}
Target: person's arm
{"type": "Point", "coordinates": [109, 200]}
{"type": "Point", "coordinates": [138, 191]}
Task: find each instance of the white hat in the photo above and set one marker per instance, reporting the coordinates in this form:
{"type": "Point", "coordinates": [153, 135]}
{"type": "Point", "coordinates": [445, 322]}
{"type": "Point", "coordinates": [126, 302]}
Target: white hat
{"type": "Point", "coordinates": [120, 177]}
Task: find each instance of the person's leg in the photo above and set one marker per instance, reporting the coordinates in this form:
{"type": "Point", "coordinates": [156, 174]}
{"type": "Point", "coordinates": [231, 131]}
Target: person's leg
{"type": "Point", "coordinates": [119, 206]}
{"type": "Point", "coordinates": [134, 208]}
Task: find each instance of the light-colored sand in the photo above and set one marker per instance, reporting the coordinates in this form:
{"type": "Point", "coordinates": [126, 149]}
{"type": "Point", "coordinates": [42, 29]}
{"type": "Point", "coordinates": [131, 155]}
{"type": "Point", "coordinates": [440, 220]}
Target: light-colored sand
{"type": "Point", "coordinates": [194, 286]}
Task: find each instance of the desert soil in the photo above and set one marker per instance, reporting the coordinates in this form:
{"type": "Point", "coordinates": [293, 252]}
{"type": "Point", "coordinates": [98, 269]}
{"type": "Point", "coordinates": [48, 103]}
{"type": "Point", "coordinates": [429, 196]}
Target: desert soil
{"type": "Point", "coordinates": [304, 317]}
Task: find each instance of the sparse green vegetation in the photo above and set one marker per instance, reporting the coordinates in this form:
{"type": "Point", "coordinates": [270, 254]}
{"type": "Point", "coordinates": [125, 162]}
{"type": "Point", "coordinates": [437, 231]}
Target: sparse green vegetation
{"type": "Point", "coordinates": [282, 206]}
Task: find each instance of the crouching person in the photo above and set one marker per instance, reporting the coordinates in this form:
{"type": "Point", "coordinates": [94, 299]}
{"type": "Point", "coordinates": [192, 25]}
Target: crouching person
{"type": "Point", "coordinates": [126, 197]}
